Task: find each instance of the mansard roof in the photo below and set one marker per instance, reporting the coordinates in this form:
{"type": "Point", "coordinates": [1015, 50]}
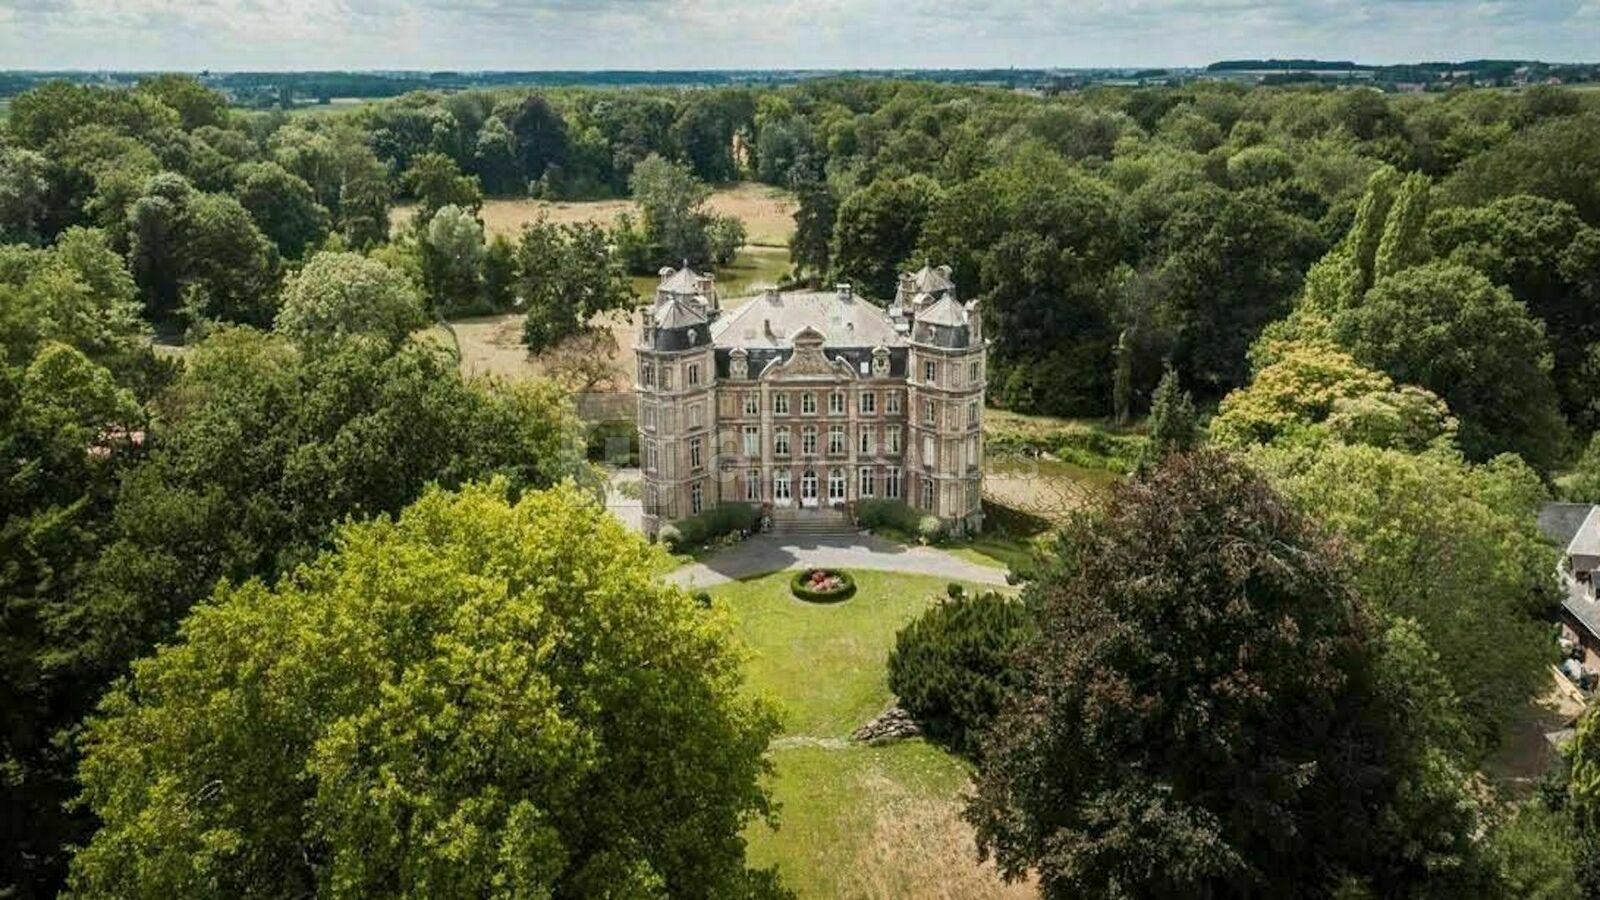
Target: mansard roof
{"type": "Point", "coordinates": [680, 281]}
{"type": "Point", "coordinates": [946, 312]}
{"type": "Point", "coordinates": [772, 320]}
{"type": "Point", "coordinates": [675, 313]}
{"type": "Point", "coordinates": [929, 280]}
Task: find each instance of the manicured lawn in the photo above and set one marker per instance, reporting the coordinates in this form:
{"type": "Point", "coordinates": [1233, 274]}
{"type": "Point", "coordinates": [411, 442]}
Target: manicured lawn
{"type": "Point", "coordinates": [992, 550]}
{"type": "Point", "coordinates": [853, 821]}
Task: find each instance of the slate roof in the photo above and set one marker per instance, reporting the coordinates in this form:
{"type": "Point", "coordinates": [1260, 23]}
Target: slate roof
{"type": "Point", "coordinates": [1559, 522]}
{"type": "Point", "coordinates": [946, 312]}
{"type": "Point", "coordinates": [1587, 541]}
{"type": "Point", "coordinates": [680, 281]}
{"type": "Point", "coordinates": [771, 321]}
{"type": "Point", "coordinates": [929, 280]}
{"type": "Point", "coordinates": [675, 313]}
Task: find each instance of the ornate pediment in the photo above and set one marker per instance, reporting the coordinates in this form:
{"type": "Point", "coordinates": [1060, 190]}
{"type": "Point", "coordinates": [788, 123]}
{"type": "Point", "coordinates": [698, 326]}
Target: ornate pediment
{"type": "Point", "coordinates": [808, 361]}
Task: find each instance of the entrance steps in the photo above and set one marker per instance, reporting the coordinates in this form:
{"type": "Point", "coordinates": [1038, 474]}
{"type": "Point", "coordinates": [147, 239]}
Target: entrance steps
{"type": "Point", "coordinates": [813, 522]}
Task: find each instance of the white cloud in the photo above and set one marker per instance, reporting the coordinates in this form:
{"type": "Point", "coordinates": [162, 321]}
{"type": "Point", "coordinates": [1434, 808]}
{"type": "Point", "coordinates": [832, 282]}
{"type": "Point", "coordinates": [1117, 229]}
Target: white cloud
{"type": "Point", "coordinates": [536, 34]}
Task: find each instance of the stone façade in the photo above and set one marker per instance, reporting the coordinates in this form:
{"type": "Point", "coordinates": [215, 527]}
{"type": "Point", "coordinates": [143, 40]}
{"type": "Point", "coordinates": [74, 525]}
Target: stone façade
{"type": "Point", "coordinates": [810, 399]}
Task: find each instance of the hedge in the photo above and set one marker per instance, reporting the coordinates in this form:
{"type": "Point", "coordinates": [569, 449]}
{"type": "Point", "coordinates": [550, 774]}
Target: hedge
{"type": "Point", "coordinates": [797, 586]}
{"type": "Point", "coordinates": [711, 524]}
{"type": "Point", "coordinates": [893, 513]}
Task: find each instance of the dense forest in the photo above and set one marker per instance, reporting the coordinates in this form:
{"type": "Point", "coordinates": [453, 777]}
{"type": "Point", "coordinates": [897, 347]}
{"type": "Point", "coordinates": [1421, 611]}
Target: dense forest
{"type": "Point", "coordinates": [1394, 291]}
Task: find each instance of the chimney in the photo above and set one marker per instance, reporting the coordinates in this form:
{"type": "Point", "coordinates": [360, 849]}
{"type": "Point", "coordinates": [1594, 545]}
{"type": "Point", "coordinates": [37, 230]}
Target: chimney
{"type": "Point", "coordinates": [771, 295]}
{"type": "Point", "coordinates": [843, 290]}
{"type": "Point", "coordinates": [766, 328]}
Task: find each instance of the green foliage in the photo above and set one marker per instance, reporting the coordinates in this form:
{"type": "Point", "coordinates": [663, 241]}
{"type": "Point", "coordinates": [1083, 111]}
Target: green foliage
{"type": "Point", "coordinates": [283, 207]}
{"type": "Point", "coordinates": [1449, 545]}
{"type": "Point", "coordinates": [453, 262]}
{"type": "Point", "coordinates": [1231, 767]}
{"type": "Point", "coordinates": [930, 529]}
{"type": "Point", "coordinates": [1558, 159]}
{"type": "Point", "coordinates": [677, 227]}
{"type": "Point", "coordinates": [891, 513]}
{"type": "Point", "coordinates": [1449, 329]}
{"type": "Point", "coordinates": [716, 522]}
{"type": "Point", "coordinates": [953, 665]}
{"type": "Point", "coordinates": [339, 296]}
{"type": "Point", "coordinates": [1173, 426]}
{"type": "Point", "coordinates": [436, 183]}
{"type": "Point", "coordinates": [478, 698]}
{"type": "Point", "coordinates": [876, 231]}
{"type": "Point", "coordinates": [800, 586]}
{"type": "Point", "coordinates": [1583, 483]}
{"type": "Point", "coordinates": [567, 275]}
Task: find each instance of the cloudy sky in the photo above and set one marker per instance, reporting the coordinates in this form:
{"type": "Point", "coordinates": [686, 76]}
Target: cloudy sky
{"type": "Point", "coordinates": [683, 34]}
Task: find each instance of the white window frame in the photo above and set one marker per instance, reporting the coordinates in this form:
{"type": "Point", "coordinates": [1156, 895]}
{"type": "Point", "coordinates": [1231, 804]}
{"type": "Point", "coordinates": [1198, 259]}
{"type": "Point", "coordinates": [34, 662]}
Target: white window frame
{"type": "Point", "coordinates": [697, 499]}
{"type": "Point", "coordinates": [692, 377]}
{"type": "Point", "coordinates": [930, 451]}
{"type": "Point", "coordinates": [972, 373]}
{"type": "Point", "coordinates": [927, 494]}
{"type": "Point", "coordinates": [780, 441]}
{"type": "Point", "coordinates": [780, 404]}
{"type": "Point", "coordinates": [866, 441]}
{"type": "Point", "coordinates": [696, 454]}
{"type": "Point", "coordinates": [808, 440]}
{"type": "Point", "coordinates": [647, 413]}
{"type": "Point", "coordinates": [891, 482]}
{"type": "Point", "coordinates": [752, 486]}
{"type": "Point", "coordinates": [892, 439]}
{"type": "Point", "coordinates": [752, 440]}
{"type": "Point", "coordinates": [929, 415]}
{"type": "Point", "coordinates": [837, 487]}
{"type": "Point", "coordinates": [930, 371]}
{"type": "Point", "coordinates": [972, 412]}
{"type": "Point", "coordinates": [752, 404]}
{"type": "Point", "coordinates": [868, 403]}
{"type": "Point", "coordinates": [782, 487]}
{"type": "Point", "coordinates": [867, 485]}
{"type": "Point", "coordinates": [836, 403]}
{"type": "Point", "coordinates": [836, 442]}
{"type": "Point", "coordinates": [647, 374]}
{"type": "Point", "coordinates": [893, 403]}
{"type": "Point", "coordinates": [652, 456]}
{"type": "Point", "coordinates": [808, 404]}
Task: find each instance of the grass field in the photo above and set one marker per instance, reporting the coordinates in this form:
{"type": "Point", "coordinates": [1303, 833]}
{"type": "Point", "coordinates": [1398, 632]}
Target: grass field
{"type": "Point", "coordinates": [853, 821]}
{"type": "Point", "coordinates": [767, 212]}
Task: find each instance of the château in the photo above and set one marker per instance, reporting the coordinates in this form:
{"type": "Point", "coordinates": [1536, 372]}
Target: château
{"type": "Point", "coordinates": [811, 399]}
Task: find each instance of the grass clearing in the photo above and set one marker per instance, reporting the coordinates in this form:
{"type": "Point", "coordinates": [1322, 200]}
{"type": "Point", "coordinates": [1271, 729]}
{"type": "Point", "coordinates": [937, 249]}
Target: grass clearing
{"type": "Point", "coordinates": [767, 212]}
{"type": "Point", "coordinates": [853, 821]}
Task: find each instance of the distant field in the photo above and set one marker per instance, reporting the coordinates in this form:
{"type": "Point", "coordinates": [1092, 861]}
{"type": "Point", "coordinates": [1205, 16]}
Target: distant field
{"type": "Point", "coordinates": [767, 212]}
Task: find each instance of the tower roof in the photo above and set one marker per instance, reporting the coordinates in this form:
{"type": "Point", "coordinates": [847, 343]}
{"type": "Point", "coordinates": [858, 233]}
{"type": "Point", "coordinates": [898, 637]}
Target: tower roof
{"type": "Point", "coordinates": [680, 281]}
{"type": "Point", "coordinates": [675, 313]}
{"type": "Point", "coordinates": [930, 280]}
{"type": "Point", "coordinates": [946, 312]}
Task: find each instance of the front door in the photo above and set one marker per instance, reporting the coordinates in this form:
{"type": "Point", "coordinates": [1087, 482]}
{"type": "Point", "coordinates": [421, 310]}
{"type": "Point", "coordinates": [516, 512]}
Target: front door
{"type": "Point", "coordinates": [808, 488]}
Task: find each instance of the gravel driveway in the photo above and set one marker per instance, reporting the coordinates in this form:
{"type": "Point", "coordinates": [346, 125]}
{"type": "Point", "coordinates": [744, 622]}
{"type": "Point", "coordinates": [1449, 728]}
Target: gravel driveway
{"type": "Point", "coordinates": [766, 553]}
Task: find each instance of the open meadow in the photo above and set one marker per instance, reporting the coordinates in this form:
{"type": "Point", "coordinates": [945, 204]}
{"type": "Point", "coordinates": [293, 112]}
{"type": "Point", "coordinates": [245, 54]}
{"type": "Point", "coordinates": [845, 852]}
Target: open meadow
{"type": "Point", "coordinates": [853, 820]}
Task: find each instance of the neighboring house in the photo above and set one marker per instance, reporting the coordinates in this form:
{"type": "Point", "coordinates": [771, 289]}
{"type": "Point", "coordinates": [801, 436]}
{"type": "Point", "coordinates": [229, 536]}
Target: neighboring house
{"type": "Point", "coordinates": [811, 399]}
{"type": "Point", "coordinates": [1576, 526]}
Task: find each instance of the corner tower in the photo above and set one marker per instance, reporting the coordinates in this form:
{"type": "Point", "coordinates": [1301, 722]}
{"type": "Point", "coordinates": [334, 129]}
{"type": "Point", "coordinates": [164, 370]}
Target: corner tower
{"type": "Point", "coordinates": [675, 384]}
{"type": "Point", "coordinates": [945, 378]}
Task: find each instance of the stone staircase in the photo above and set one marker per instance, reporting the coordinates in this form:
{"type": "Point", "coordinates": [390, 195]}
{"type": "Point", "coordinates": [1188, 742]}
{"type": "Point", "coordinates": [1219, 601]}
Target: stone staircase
{"type": "Point", "coordinates": [811, 522]}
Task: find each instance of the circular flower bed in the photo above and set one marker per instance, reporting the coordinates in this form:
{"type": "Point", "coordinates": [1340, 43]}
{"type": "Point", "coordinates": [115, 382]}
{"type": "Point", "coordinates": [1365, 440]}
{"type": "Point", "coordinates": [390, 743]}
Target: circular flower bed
{"type": "Point", "coordinates": [822, 585]}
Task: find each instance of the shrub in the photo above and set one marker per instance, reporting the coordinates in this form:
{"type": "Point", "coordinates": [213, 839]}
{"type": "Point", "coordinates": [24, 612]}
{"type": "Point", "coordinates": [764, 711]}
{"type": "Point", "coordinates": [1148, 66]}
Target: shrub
{"type": "Point", "coordinates": [822, 585]}
{"type": "Point", "coordinates": [714, 523]}
{"type": "Point", "coordinates": [890, 513]}
{"type": "Point", "coordinates": [952, 665]}
{"type": "Point", "coordinates": [671, 536]}
{"type": "Point", "coordinates": [930, 529]}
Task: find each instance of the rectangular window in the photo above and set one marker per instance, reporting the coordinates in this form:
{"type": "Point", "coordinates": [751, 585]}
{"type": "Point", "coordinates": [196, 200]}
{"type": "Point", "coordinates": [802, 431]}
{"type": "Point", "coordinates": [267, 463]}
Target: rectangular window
{"type": "Point", "coordinates": [694, 453]}
{"type": "Point", "coordinates": [808, 404]}
{"type": "Point", "coordinates": [697, 499]}
{"type": "Point", "coordinates": [752, 486]}
{"type": "Point", "coordinates": [650, 456]}
{"type": "Point", "coordinates": [866, 441]}
{"type": "Point", "coordinates": [927, 412]}
{"type": "Point", "coordinates": [780, 404]}
{"type": "Point", "coordinates": [891, 482]}
{"type": "Point", "coordinates": [928, 448]}
{"type": "Point", "coordinates": [780, 441]}
{"type": "Point", "coordinates": [836, 485]}
{"type": "Point", "coordinates": [694, 374]}
{"type": "Point", "coordinates": [972, 372]}
{"type": "Point", "coordinates": [752, 404]}
{"type": "Point", "coordinates": [892, 439]}
{"type": "Point", "coordinates": [972, 452]}
{"type": "Point", "coordinates": [930, 371]}
{"type": "Point", "coordinates": [752, 440]}
{"type": "Point", "coordinates": [836, 403]}
{"type": "Point", "coordinates": [868, 485]}
{"type": "Point", "coordinates": [869, 403]}
{"type": "Point", "coordinates": [647, 413]}
{"type": "Point", "coordinates": [647, 374]}
{"type": "Point", "coordinates": [894, 403]}
{"type": "Point", "coordinates": [780, 485]}
{"type": "Point", "coordinates": [808, 440]}
{"type": "Point", "coordinates": [972, 412]}
{"type": "Point", "coordinates": [835, 439]}
{"type": "Point", "coordinates": [927, 494]}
